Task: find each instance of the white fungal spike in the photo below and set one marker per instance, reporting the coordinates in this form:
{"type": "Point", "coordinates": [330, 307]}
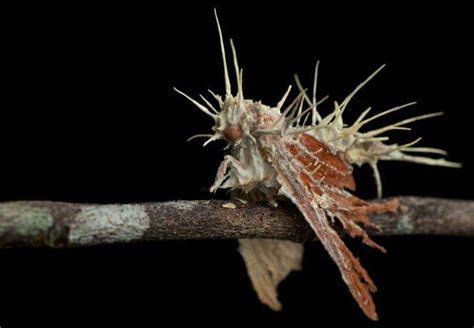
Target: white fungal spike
{"type": "Point", "coordinates": [338, 122]}
{"type": "Point", "coordinates": [306, 119]}
{"type": "Point", "coordinates": [374, 139]}
{"type": "Point", "coordinates": [323, 99]}
{"type": "Point", "coordinates": [391, 150]}
{"type": "Point", "coordinates": [300, 110]}
{"type": "Point", "coordinates": [397, 125]}
{"type": "Point", "coordinates": [327, 120]}
{"type": "Point", "coordinates": [216, 97]}
{"type": "Point", "coordinates": [228, 91]}
{"type": "Point", "coordinates": [378, 180]}
{"type": "Point", "coordinates": [301, 113]}
{"type": "Point", "coordinates": [283, 99]}
{"type": "Point", "coordinates": [386, 112]}
{"type": "Point", "coordinates": [241, 86]}
{"type": "Point", "coordinates": [421, 160]}
{"type": "Point", "coordinates": [211, 139]}
{"type": "Point", "coordinates": [360, 86]}
{"type": "Point", "coordinates": [287, 109]}
{"type": "Point", "coordinates": [315, 117]}
{"type": "Point", "coordinates": [426, 150]}
{"type": "Point", "coordinates": [308, 100]}
{"type": "Point", "coordinates": [238, 72]}
{"type": "Point", "coordinates": [362, 116]}
{"type": "Point", "coordinates": [209, 104]}
{"type": "Point", "coordinates": [198, 105]}
{"type": "Point", "coordinates": [204, 135]}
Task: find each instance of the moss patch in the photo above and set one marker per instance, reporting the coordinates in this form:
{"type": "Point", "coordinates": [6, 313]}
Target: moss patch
{"type": "Point", "coordinates": [22, 223]}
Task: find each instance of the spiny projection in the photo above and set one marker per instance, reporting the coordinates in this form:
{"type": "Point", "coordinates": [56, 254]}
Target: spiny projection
{"type": "Point", "coordinates": [296, 152]}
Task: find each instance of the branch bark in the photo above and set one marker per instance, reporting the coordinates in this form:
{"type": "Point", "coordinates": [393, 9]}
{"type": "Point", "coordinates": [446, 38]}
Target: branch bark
{"type": "Point", "coordinates": [57, 224]}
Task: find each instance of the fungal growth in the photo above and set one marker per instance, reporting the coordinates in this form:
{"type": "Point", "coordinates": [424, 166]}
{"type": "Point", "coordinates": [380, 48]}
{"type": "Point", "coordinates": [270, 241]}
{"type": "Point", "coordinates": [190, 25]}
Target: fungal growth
{"type": "Point", "coordinates": [294, 151]}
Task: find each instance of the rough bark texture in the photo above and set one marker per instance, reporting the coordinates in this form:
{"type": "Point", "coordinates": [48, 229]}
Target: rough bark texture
{"type": "Point", "coordinates": [56, 224]}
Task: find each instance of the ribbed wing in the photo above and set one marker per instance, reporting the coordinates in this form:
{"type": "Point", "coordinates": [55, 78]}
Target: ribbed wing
{"type": "Point", "coordinates": [314, 178]}
{"type": "Point", "coordinates": [268, 263]}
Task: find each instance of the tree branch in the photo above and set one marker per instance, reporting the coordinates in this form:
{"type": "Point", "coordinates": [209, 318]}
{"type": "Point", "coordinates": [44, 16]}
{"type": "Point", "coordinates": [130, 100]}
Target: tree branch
{"type": "Point", "coordinates": [57, 224]}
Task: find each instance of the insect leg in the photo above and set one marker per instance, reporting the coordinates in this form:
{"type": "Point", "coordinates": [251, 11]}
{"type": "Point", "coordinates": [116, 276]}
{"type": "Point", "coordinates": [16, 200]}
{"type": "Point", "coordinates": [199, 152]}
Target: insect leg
{"type": "Point", "coordinates": [239, 172]}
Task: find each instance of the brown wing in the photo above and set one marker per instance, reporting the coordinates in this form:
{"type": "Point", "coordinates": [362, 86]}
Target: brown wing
{"type": "Point", "coordinates": [318, 192]}
{"type": "Point", "coordinates": [327, 174]}
{"type": "Point", "coordinates": [268, 263]}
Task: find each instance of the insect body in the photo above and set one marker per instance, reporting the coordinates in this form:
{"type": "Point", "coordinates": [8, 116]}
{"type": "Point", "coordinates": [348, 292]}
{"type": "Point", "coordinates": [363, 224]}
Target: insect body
{"type": "Point", "coordinates": [293, 151]}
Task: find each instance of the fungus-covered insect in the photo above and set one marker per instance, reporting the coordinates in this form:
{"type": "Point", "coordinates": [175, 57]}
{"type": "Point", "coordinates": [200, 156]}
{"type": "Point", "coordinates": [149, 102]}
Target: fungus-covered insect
{"type": "Point", "coordinates": [296, 152]}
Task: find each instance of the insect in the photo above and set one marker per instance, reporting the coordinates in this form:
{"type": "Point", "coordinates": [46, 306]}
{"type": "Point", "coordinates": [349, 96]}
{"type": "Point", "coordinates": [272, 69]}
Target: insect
{"type": "Point", "coordinates": [293, 151]}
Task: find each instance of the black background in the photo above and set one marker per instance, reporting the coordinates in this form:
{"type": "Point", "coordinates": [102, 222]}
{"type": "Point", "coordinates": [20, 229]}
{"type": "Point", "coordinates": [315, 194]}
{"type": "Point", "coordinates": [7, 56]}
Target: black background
{"type": "Point", "coordinates": [88, 115]}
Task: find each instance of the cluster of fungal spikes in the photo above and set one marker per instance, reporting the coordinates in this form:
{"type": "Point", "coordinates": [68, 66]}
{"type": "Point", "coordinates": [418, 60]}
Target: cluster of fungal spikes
{"type": "Point", "coordinates": [367, 147]}
{"type": "Point", "coordinates": [297, 152]}
{"type": "Point", "coordinates": [359, 147]}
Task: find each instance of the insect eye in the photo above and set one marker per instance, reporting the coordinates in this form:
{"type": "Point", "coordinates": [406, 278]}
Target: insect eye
{"type": "Point", "coordinates": [232, 133]}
